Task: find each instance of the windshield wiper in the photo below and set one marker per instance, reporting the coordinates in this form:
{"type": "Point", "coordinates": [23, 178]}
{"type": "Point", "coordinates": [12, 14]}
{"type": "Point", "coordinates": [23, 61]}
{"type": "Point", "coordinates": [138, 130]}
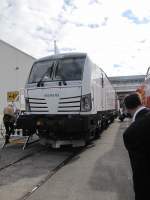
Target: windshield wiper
{"type": "Point", "coordinates": [61, 75]}
{"type": "Point", "coordinates": [63, 80]}
{"type": "Point", "coordinates": [40, 82]}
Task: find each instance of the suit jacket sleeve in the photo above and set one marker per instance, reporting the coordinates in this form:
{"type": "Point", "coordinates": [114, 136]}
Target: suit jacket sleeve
{"type": "Point", "coordinates": [137, 135]}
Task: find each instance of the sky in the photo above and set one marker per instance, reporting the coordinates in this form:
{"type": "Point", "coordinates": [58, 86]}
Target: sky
{"type": "Point", "coordinates": [115, 33]}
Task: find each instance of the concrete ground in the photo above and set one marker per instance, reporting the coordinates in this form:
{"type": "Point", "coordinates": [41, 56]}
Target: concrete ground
{"type": "Point", "coordinates": [102, 172]}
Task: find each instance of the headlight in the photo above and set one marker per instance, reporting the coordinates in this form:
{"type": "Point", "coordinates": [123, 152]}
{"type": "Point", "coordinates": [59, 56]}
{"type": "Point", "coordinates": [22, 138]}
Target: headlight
{"type": "Point", "coordinates": [86, 104]}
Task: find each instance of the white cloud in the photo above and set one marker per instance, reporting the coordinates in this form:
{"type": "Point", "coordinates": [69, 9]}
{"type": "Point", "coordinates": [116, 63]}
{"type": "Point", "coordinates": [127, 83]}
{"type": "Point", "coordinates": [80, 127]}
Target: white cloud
{"type": "Point", "coordinates": [115, 41]}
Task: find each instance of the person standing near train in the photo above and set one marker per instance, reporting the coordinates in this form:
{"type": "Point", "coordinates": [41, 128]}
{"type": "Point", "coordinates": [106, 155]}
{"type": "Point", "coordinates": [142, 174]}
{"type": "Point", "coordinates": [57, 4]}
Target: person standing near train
{"type": "Point", "coordinates": [9, 120]}
{"type": "Point", "coordinates": [137, 141]}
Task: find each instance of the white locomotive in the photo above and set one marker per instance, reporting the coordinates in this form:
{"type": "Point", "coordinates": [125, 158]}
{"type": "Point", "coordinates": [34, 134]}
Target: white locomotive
{"type": "Point", "coordinates": [68, 99]}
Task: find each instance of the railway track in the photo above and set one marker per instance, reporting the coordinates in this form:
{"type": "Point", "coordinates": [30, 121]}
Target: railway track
{"type": "Point", "coordinates": [35, 153]}
{"type": "Point", "coordinates": [75, 153]}
{"type": "Point", "coordinates": [19, 160]}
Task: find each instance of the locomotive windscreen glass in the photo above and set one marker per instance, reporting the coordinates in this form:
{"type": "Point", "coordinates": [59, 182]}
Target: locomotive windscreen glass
{"type": "Point", "coordinates": [41, 71]}
{"type": "Point", "coordinates": [57, 69]}
{"type": "Point", "coordinates": [70, 69]}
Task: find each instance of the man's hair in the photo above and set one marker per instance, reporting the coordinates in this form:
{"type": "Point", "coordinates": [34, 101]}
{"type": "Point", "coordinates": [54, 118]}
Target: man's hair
{"type": "Point", "coordinates": [132, 101]}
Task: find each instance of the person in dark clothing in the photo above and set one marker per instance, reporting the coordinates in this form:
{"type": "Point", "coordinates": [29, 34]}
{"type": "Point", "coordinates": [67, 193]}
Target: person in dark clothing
{"type": "Point", "coordinates": [122, 116]}
{"type": "Point", "coordinates": [9, 120]}
{"type": "Point", "coordinates": [137, 142]}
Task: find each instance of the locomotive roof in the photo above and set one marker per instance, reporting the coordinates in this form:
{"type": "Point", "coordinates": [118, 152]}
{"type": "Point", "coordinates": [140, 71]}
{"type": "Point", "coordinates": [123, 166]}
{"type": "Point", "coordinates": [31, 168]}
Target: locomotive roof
{"type": "Point", "coordinates": [62, 55]}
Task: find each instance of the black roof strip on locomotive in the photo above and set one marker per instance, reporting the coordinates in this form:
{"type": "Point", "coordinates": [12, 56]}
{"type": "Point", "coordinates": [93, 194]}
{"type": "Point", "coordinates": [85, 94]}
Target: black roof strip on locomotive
{"type": "Point", "coordinates": [68, 111]}
{"type": "Point", "coordinates": [38, 107]}
{"type": "Point", "coordinates": [39, 111]}
{"type": "Point", "coordinates": [68, 106]}
{"type": "Point", "coordinates": [36, 98]}
{"type": "Point", "coordinates": [69, 102]}
{"type": "Point", "coordinates": [37, 102]}
{"type": "Point", "coordinates": [70, 97]}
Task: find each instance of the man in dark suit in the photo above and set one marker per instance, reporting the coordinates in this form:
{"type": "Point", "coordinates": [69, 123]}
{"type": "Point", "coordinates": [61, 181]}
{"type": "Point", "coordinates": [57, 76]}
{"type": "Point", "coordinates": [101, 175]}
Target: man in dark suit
{"type": "Point", "coordinates": [137, 142]}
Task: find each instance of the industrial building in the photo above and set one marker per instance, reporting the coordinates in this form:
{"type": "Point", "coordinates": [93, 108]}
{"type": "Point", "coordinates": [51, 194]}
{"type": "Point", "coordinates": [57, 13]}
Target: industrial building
{"type": "Point", "coordinates": [15, 66]}
{"type": "Point", "coordinates": [126, 84]}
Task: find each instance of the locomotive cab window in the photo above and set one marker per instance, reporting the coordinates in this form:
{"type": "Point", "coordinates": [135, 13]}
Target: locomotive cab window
{"type": "Point", "coordinates": [69, 69]}
{"type": "Point", "coordinates": [41, 71]}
